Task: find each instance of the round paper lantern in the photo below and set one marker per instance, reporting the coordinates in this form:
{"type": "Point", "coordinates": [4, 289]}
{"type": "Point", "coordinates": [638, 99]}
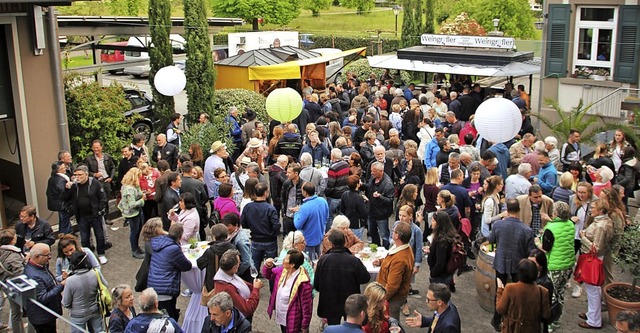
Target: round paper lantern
{"type": "Point", "coordinates": [498, 120]}
{"type": "Point", "coordinates": [284, 104]}
{"type": "Point", "coordinates": [170, 81]}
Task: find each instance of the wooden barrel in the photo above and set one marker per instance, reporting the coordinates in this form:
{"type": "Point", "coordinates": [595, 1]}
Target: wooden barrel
{"type": "Point", "coordinates": [485, 281]}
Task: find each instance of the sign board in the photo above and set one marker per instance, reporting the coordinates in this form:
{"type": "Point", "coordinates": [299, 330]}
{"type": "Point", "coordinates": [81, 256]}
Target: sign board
{"type": "Point", "coordinates": [241, 42]}
{"type": "Point", "coordinates": [469, 41]}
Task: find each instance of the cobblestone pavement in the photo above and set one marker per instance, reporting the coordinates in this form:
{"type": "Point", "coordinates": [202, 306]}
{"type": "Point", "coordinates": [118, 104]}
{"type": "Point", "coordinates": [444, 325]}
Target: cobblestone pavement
{"type": "Point", "coordinates": [121, 268]}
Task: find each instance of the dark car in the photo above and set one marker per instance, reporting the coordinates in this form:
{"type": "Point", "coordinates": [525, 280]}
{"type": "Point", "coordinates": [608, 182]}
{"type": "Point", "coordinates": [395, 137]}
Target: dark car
{"type": "Point", "coordinates": [142, 104]}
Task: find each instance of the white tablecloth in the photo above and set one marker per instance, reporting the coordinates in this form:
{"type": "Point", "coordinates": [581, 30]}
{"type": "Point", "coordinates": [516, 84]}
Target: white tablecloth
{"type": "Point", "coordinates": [195, 315]}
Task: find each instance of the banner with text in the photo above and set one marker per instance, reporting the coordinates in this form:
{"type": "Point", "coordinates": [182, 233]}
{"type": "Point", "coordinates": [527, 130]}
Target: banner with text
{"type": "Point", "coordinates": [469, 41]}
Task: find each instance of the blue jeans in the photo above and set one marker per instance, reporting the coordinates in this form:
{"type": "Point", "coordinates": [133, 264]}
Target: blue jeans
{"type": "Point", "coordinates": [93, 322]}
{"type": "Point", "coordinates": [135, 227]}
{"type": "Point", "coordinates": [85, 223]}
{"type": "Point", "coordinates": [261, 250]}
{"type": "Point", "coordinates": [64, 224]}
{"type": "Point", "coordinates": [333, 211]}
{"type": "Point", "coordinates": [379, 229]}
{"type": "Point", "coordinates": [359, 233]}
{"type": "Point", "coordinates": [313, 250]}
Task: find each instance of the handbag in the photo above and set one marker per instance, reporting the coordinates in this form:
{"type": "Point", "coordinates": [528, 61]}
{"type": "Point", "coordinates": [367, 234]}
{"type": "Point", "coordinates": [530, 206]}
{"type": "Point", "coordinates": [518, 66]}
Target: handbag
{"type": "Point", "coordinates": [589, 269]}
{"type": "Point", "coordinates": [103, 297]}
{"type": "Point", "coordinates": [556, 312]}
{"type": "Point", "coordinates": [207, 294]}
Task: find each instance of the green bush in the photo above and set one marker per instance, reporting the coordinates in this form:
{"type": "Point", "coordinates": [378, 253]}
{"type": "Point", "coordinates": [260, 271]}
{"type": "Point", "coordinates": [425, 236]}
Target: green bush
{"type": "Point", "coordinates": [206, 134]}
{"type": "Point", "coordinates": [95, 112]}
{"type": "Point", "coordinates": [362, 69]}
{"type": "Point", "coordinates": [242, 99]}
{"type": "Point", "coordinates": [628, 257]}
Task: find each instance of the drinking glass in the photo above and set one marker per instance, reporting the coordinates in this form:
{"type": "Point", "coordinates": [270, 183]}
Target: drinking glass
{"type": "Point", "coordinates": [254, 272]}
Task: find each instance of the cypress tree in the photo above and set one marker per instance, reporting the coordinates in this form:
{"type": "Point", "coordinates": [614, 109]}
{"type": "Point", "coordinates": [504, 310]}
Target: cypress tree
{"type": "Point", "coordinates": [161, 54]}
{"type": "Point", "coordinates": [429, 27]}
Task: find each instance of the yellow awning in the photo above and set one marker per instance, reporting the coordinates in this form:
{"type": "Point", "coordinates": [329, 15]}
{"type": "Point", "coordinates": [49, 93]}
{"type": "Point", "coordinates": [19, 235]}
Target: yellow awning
{"type": "Point", "coordinates": [291, 70]}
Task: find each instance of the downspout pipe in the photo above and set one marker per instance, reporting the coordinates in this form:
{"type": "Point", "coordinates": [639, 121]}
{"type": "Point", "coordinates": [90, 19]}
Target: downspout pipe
{"type": "Point", "coordinates": [56, 75]}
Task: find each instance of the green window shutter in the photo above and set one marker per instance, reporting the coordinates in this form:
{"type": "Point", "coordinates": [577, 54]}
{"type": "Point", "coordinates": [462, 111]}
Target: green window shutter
{"type": "Point", "coordinates": [557, 40]}
{"type": "Point", "coordinates": [628, 45]}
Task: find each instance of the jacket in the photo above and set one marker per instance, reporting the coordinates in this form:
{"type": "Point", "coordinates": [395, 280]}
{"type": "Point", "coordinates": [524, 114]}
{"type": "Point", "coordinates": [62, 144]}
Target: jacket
{"type": "Point", "coordinates": [514, 241]}
{"type": "Point", "coordinates": [352, 242]}
{"type": "Point", "coordinates": [517, 152]}
{"type": "Point", "coordinates": [284, 195]}
{"type": "Point", "coordinates": [315, 176]}
{"type": "Point", "coordinates": [140, 324]}
{"type": "Point", "coordinates": [439, 255]}
{"type": "Point", "coordinates": [547, 178]}
{"type": "Point", "coordinates": [396, 271]}
{"type": "Point", "coordinates": [337, 179]}
{"type": "Point", "coordinates": [190, 220]}
{"type": "Point", "coordinates": [169, 199]}
{"type": "Point", "coordinates": [353, 206]}
{"type": "Point", "coordinates": [448, 321]}
{"type": "Point", "coordinates": [132, 202]}
{"type": "Point", "coordinates": [430, 153]}
{"type": "Point", "coordinates": [48, 292]}
{"type": "Point", "coordinates": [13, 261]}
{"type": "Point", "coordinates": [339, 274]}
{"type": "Point", "coordinates": [79, 295]}
{"type": "Point", "coordinates": [525, 208]}
{"type": "Point", "coordinates": [262, 219]}
{"type": "Point", "coordinates": [627, 174]}
{"type": "Point", "coordinates": [109, 165]}
{"type": "Point", "coordinates": [118, 320]}
{"type": "Point", "coordinates": [522, 306]}
{"type": "Point", "coordinates": [290, 144]}
{"type": "Point", "coordinates": [225, 206]}
{"type": "Point", "coordinates": [167, 261]}
{"type": "Point", "coordinates": [246, 306]}
{"type": "Point", "coordinates": [300, 307]}
{"type": "Point", "coordinates": [504, 159]}
{"type": "Point", "coordinates": [208, 260]}
{"type": "Point", "coordinates": [277, 177]}
{"type": "Point", "coordinates": [569, 154]}
{"type": "Point", "coordinates": [241, 241]}
{"type": "Point", "coordinates": [345, 327]}
{"type": "Point", "coordinates": [41, 233]}
{"type": "Point", "coordinates": [96, 194]}
{"type": "Point", "coordinates": [240, 324]}
{"type": "Point", "coordinates": [380, 208]}
{"type": "Point", "coordinates": [168, 152]}
{"type": "Point", "coordinates": [199, 192]}
{"type": "Point", "coordinates": [236, 130]}
{"type": "Point", "coordinates": [312, 218]}
{"type": "Point", "coordinates": [318, 153]}
{"type": "Point", "coordinates": [56, 188]}
{"type": "Point", "coordinates": [562, 255]}
{"type": "Point", "coordinates": [125, 165]}
{"type": "Point", "coordinates": [415, 243]}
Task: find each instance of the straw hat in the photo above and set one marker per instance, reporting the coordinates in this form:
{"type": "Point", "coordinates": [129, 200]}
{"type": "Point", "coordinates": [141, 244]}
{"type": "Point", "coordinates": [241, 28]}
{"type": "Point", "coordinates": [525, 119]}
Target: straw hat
{"type": "Point", "coordinates": [216, 146]}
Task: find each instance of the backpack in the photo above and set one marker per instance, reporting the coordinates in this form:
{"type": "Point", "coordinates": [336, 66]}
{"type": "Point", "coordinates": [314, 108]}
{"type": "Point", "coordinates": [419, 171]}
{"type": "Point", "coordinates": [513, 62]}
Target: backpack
{"type": "Point", "coordinates": [458, 257]}
{"type": "Point", "coordinates": [214, 217]}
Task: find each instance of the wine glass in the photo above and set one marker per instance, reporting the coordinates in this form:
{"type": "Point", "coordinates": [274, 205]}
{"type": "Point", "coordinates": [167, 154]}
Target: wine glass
{"type": "Point", "coordinates": [254, 272]}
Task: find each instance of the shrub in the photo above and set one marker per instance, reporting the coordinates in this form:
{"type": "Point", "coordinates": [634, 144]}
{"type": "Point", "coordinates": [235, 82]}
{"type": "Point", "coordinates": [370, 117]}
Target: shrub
{"type": "Point", "coordinates": [362, 69]}
{"type": "Point", "coordinates": [242, 99]}
{"type": "Point", "coordinates": [206, 134]}
{"type": "Point", "coordinates": [628, 257]}
{"type": "Point", "coordinates": [95, 112]}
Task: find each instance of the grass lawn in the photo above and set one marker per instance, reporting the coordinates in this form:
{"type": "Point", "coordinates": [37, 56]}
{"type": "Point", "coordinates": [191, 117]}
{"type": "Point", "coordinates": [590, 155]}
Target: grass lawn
{"type": "Point", "coordinates": [342, 21]}
{"type": "Point", "coordinates": [76, 61]}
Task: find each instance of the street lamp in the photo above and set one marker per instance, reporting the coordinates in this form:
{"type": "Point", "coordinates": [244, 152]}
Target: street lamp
{"type": "Point", "coordinates": [496, 23]}
{"type": "Point", "coordinates": [396, 11]}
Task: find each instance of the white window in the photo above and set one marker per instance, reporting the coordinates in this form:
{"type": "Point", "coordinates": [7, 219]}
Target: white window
{"type": "Point", "coordinates": [595, 38]}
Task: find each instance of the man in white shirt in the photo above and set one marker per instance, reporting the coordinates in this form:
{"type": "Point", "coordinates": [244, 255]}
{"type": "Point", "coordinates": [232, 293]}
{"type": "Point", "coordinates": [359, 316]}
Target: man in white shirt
{"type": "Point", "coordinates": [518, 184]}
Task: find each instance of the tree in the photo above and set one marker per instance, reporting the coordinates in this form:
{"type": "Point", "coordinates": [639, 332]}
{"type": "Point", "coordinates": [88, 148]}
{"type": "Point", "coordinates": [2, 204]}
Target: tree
{"type": "Point", "coordinates": [199, 68]}
{"type": "Point", "coordinates": [429, 18]}
{"type": "Point", "coordinates": [515, 17]}
{"type": "Point", "coordinates": [462, 25]}
{"type": "Point", "coordinates": [160, 53]}
{"type": "Point", "coordinates": [362, 6]}
{"type": "Point", "coordinates": [315, 6]}
{"type": "Point", "coordinates": [411, 22]}
{"type": "Point", "coordinates": [279, 12]}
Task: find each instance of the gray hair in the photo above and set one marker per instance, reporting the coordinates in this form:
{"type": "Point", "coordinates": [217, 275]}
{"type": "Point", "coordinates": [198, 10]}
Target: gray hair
{"type": "Point", "coordinates": [282, 158]}
{"type": "Point", "coordinates": [340, 221]}
{"type": "Point", "coordinates": [83, 168]}
{"type": "Point", "coordinates": [561, 210]}
{"type": "Point", "coordinates": [294, 237]}
{"type": "Point", "coordinates": [454, 156]}
{"type": "Point", "coordinates": [336, 153]}
{"type": "Point", "coordinates": [523, 169]}
{"type": "Point", "coordinates": [221, 300]}
{"type": "Point", "coordinates": [453, 94]}
{"type": "Point", "coordinates": [399, 93]}
{"type": "Point", "coordinates": [551, 141]}
{"type": "Point", "coordinates": [539, 147]}
{"type": "Point", "coordinates": [394, 131]}
{"type": "Point", "coordinates": [377, 165]}
{"type": "Point", "coordinates": [233, 108]}
{"type": "Point", "coordinates": [147, 300]}
{"type": "Point", "coordinates": [378, 148]}
{"type": "Point", "coordinates": [306, 159]}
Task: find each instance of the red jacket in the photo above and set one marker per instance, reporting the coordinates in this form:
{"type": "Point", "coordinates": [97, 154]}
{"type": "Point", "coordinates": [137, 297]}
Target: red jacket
{"type": "Point", "coordinates": [246, 306]}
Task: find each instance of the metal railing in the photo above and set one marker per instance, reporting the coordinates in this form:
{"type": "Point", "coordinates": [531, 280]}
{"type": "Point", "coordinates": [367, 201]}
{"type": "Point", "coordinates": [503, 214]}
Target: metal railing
{"type": "Point", "coordinates": [607, 101]}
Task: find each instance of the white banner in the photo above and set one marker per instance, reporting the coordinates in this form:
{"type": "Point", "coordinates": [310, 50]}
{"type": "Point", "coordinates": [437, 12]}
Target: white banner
{"type": "Point", "coordinates": [469, 41]}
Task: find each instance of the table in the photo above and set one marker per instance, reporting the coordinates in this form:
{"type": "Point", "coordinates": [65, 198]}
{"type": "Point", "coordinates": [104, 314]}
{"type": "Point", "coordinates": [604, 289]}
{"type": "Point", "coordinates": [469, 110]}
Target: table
{"type": "Point", "coordinates": [194, 280]}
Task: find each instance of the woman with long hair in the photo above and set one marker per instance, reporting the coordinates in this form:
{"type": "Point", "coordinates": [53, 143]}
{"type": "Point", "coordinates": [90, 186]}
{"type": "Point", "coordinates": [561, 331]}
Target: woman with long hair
{"type": "Point", "coordinates": [540, 259]}
{"type": "Point", "coordinates": [523, 304]}
{"type": "Point", "coordinates": [196, 154]}
{"type": "Point", "coordinates": [577, 171]}
{"type": "Point", "coordinates": [410, 123]}
{"type": "Point", "coordinates": [151, 229]}
{"type": "Point", "coordinates": [249, 194]}
{"type": "Point", "coordinates": [148, 177]}
{"type": "Point", "coordinates": [355, 164]}
{"type": "Point", "coordinates": [80, 294]}
{"type": "Point", "coordinates": [474, 185]}
{"type": "Point", "coordinates": [447, 203]}
{"type": "Point", "coordinates": [616, 148]}
{"type": "Point", "coordinates": [490, 204]}
{"type": "Point", "coordinates": [377, 309]}
{"type": "Point", "coordinates": [188, 217]}
{"type": "Point", "coordinates": [408, 197]}
{"type": "Point", "coordinates": [278, 133]}
{"type": "Point", "coordinates": [334, 132]}
{"type": "Point", "coordinates": [131, 208]}
{"type": "Point", "coordinates": [628, 172]}
{"type": "Point", "coordinates": [596, 239]}
{"type": "Point", "coordinates": [414, 174]}
{"type": "Point", "coordinates": [67, 245]}
{"type": "Point", "coordinates": [123, 308]}
{"type": "Point", "coordinates": [430, 189]}
{"type": "Point", "coordinates": [580, 209]}
{"type": "Point", "coordinates": [617, 216]}
{"type": "Point", "coordinates": [439, 252]}
{"type": "Point", "coordinates": [601, 158]}
{"type": "Point", "coordinates": [354, 206]}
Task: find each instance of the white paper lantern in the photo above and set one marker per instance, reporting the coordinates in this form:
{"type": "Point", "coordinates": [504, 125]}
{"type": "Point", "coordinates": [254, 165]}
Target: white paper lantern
{"type": "Point", "coordinates": [498, 120]}
{"type": "Point", "coordinates": [170, 81]}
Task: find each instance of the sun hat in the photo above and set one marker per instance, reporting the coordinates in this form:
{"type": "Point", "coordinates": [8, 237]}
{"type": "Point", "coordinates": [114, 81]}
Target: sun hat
{"type": "Point", "coordinates": [216, 146]}
{"type": "Point", "coordinates": [254, 143]}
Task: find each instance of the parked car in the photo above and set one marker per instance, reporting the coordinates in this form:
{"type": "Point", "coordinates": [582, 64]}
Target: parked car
{"type": "Point", "coordinates": [142, 104]}
{"type": "Point", "coordinates": [113, 56]}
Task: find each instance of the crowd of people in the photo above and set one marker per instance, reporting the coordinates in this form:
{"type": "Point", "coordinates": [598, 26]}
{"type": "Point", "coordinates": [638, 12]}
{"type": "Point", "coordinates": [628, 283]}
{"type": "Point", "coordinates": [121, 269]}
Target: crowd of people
{"type": "Point", "coordinates": [361, 157]}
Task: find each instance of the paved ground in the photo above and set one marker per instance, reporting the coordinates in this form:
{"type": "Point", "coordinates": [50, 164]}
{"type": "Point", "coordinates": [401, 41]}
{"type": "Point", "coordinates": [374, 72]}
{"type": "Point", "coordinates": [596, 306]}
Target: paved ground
{"type": "Point", "coordinates": [121, 268]}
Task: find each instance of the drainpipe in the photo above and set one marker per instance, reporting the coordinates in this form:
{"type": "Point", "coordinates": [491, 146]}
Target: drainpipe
{"type": "Point", "coordinates": [56, 71]}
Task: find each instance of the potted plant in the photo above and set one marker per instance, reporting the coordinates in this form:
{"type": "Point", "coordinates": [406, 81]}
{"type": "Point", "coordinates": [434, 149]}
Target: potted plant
{"type": "Point", "coordinates": [619, 295]}
{"type": "Point", "coordinates": [600, 74]}
{"type": "Point", "coordinates": [582, 72]}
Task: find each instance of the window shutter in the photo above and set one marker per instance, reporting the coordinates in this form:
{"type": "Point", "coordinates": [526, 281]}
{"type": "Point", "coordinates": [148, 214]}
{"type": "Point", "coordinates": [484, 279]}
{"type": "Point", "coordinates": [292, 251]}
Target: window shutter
{"type": "Point", "coordinates": [628, 45]}
{"type": "Point", "coordinates": [557, 40]}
